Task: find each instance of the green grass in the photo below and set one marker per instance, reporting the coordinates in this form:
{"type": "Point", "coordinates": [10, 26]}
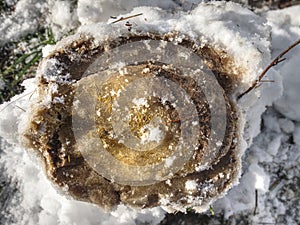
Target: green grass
{"type": "Point", "coordinates": [211, 210]}
{"type": "Point", "coordinates": [18, 60]}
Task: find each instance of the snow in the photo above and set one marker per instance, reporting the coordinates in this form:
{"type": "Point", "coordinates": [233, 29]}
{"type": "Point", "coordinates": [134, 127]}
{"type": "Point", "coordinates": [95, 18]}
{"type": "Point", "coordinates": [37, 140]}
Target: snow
{"type": "Point", "coordinates": [140, 102]}
{"type": "Point", "coordinates": [151, 133]}
{"type": "Point", "coordinates": [243, 35]}
{"type": "Point", "coordinates": [102, 10]}
{"type": "Point", "coordinates": [286, 125]}
{"type": "Point", "coordinates": [274, 145]}
{"type": "Point", "coordinates": [296, 134]}
{"type": "Point", "coordinates": [286, 30]}
{"type": "Point", "coordinates": [12, 114]}
{"type": "Point", "coordinates": [169, 161]}
{"type": "Point", "coordinates": [191, 185]}
{"type": "Point", "coordinates": [261, 179]}
{"type": "Point", "coordinates": [222, 28]}
{"type": "Point", "coordinates": [289, 103]}
{"type": "Point", "coordinates": [42, 204]}
{"type": "Point", "coordinates": [23, 20]}
{"type": "Point", "coordinates": [63, 20]}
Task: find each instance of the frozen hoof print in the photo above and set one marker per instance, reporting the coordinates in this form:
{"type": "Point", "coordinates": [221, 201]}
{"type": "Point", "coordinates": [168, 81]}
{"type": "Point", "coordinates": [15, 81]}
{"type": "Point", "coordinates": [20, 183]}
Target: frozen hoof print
{"type": "Point", "coordinates": [137, 120]}
{"type": "Point", "coordinates": [141, 118]}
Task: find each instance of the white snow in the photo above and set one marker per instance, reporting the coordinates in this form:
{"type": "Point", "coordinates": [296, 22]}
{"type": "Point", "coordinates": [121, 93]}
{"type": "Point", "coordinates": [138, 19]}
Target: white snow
{"type": "Point", "coordinates": [22, 21]}
{"type": "Point", "coordinates": [274, 145]}
{"type": "Point", "coordinates": [191, 185]}
{"type": "Point", "coordinates": [169, 161]}
{"type": "Point", "coordinates": [296, 134]}
{"type": "Point", "coordinates": [222, 28]}
{"type": "Point", "coordinates": [261, 179]}
{"type": "Point", "coordinates": [102, 10]}
{"type": "Point", "coordinates": [62, 17]}
{"type": "Point", "coordinates": [140, 102]}
{"type": "Point", "coordinates": [286, 125]}
{"type": "Point", "coordinates": [289, 103]}
{"type": "Point", "coordinates": [269, 148]}
{"type": "Point", "coordinates": [151, 133]}
{"type": "Point", "coordinates": [286, 30]}
{"type": "Point", "coordinates": [12, 113]}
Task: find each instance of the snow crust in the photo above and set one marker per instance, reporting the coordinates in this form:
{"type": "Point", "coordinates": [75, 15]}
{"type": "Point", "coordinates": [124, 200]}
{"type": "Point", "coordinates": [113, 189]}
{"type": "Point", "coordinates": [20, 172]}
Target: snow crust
{"type": "Point", "coordinates": [224, 29]}
{"type": "Point", "coordinates": [101, 10]}
{"type": "Point", "coordinates": [286, 30]}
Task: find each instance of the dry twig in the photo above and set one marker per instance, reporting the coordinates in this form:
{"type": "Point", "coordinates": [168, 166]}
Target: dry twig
{"type": "Point", "coordinates": [126, 18]}
{"type": "Point", "coordinates": [256, 202]}
{"type": "Point", "coordinates": [277, 60]}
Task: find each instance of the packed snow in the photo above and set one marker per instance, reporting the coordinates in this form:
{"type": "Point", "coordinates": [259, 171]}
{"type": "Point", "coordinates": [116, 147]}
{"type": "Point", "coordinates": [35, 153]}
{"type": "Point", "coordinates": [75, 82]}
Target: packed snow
{"type": "Point", "coordinates": [272, 153]}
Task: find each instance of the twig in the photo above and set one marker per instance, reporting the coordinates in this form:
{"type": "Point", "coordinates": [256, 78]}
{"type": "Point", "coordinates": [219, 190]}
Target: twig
{"type": "Point", "coordinates": [256, 202]}
{"type": "Point", "coordinates": [266, 223]}
{"type": "Point", "coordinates": [277, 60]}
{"type": "Point", "coordinates": [267, 81]}
{"type": "Point", "coordinates": [192, 7]}
{"type": "Point", "coordinates": [274, 184]}
{"type": "Point", "coordinates": [126, 18]}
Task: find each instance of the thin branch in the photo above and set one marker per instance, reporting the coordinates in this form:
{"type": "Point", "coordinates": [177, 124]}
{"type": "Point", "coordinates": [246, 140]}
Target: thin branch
{"type": "Point", "coordinates": [126, 18]}
{"type": "Point", "coordinates": [267, 81]}
{"type": "Point", "coordinates": [256, 202]}
{"type": "Point", "coordinates": [277, 60]}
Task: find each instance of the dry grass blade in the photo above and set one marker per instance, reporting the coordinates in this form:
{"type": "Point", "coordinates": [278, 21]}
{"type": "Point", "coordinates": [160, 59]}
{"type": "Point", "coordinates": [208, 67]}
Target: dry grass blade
{"type": "Point", "coordinates": [16, 101]}
{"type": "Point", "coordinates": [276, 61]}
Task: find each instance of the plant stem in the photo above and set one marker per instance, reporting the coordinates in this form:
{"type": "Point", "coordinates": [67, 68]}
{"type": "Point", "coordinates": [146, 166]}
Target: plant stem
{"type": "Point", "coordinates": [276, 61]}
